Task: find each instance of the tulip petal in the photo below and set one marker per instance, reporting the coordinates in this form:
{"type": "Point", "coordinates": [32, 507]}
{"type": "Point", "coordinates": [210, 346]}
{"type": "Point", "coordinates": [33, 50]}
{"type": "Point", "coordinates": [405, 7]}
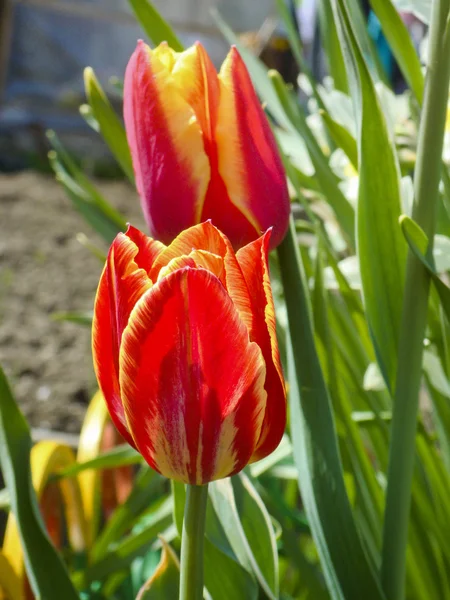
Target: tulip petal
{"type": "Point", "coordinates": [176, 263]}
{"type": "Point", "coordinates": [213, 263]}
{"type": "Point", "coordinates": [122, 283]}
{"type": "Point", "coordinates": [166, 142]}
{"type": "Point", "coordinates": [253, 260]}
{"type": "Point", "coordinates": [192, 383]}
{"type": "Point", "coordinates": [197, 81]}
{"type": "Point", "coordinates": [249, 162]}
{"type": "Point", "coordinates": [148, 248]}
{"type": "Point", "coordinates": [208, 238]}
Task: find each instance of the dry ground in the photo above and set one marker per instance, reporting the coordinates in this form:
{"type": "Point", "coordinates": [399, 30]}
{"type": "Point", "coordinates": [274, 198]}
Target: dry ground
{"type": "Point", "coordinates": [43, 270]}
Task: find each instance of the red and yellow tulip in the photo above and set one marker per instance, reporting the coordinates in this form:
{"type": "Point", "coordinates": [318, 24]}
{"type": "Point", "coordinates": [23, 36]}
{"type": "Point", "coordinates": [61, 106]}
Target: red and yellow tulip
{"type": "Point", "coordinates": [186, 354]}
{"type": "Point", "coordinates": [201, 146]}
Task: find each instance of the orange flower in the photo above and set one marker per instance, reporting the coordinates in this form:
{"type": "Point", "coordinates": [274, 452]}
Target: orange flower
{"type": "Point", "coordinates": [186, 354]}
{"type": "Point", "coordinates": [201, 146]}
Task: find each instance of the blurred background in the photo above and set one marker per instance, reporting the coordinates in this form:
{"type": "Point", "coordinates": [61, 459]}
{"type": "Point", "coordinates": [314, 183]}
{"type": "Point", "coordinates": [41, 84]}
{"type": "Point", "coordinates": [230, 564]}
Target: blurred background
{"type": "Point", "coordinates": [45, 267]}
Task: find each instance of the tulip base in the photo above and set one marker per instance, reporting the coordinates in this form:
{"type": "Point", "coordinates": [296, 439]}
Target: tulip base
{"type": "Point", "coordinates": [191, 567]}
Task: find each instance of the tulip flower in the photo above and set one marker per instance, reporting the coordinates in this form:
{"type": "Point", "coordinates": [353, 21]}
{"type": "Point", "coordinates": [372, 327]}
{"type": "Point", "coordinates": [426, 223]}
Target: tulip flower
{"type": "Point", "coordinates": [186, 354]}
{"type": "Point", "coordinates": [201, 146]}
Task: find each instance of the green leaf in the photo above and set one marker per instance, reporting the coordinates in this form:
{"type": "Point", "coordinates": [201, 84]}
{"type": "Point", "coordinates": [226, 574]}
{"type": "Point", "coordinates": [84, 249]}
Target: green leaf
{"type": "Point", "coordinates": [346, 567]}
{"type": "Point", "coordinates": [381, 249]}
{"type": "Point", "coordinates": [248, 528]}
{"type": "Point", "coordinates": [401, 44]}
{"type": "Point", "coordinates": [225, 578]}
{"type": "Point", "coordinates": [365, 42]}
{"type": "Point", "coordinates": [331, 45]}
{"type": "Point", "coordinates": [342, 138]}
{"type": "Point", "coordinates": [165, 581]}
{"type": "Point", "coordinates": [119, 456]}
{"type": "Point", "coordinates": [258, 529]}
{"type": "Point", "coordinates": [136, 544]}
{"type": "Point", "coordinates": [142, 494]}
{"type": "Point", "coordinates": [154, 25]}
{"type": "Point", "coordinates": [5, 500]}
{"type": "Point", "coordinates": [47, 574]}
{"type": "Point", "coordinates": [88, 115]}
{"type": "Point", "coordinates": [80, 318]}
{"type": "Point", "coordinates": [418, 242]}
{"type": "Point", "coordinates": [102, 217]}
{"type": "Point", "coordinates": [110, 125]}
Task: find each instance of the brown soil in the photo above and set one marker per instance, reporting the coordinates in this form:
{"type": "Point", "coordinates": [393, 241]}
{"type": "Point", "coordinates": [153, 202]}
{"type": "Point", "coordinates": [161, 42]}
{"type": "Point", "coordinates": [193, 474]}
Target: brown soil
{"type": "Point", "coordinates": [44, 270]}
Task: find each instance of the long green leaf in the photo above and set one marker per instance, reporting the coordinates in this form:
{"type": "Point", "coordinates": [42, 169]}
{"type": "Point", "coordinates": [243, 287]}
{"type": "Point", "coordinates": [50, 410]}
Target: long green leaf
{"type": "Point", "coordinates": [165, 581]}
{"type": "Point", "coordinates": [381, 249]}
{"type": "Point", "coordinates": [118, 456]}
{"type": "Point", "coordinates": [47, 574]}
{"type": "Point", "coordinates": [97, 211]}
{"type": "Point", "coordinates": [331, 45]}
{"type": "Point", "coordinates": [346, 567]}
{"type": "Point", "coordinates": [248, 528]}
{"type": "Point", "coordinates": [154, 25]}
{"type": "Point", "coordinates": [139, 499]}
{"type": "Point", "coordinates": [110, 125]}
{"type": "Point", "coordinates": [134, 545]}
{"type": "Point", "coordinates": [342, 138]}
{"type": "Point", "coordinates": [225, 578]}
{"type": "Point", "coordinates": [401, 45]}
{"type": "Point", "coordinates": [418, 242]}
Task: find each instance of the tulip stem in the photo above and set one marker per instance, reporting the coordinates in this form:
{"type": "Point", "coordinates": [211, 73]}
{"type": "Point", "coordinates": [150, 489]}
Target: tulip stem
{"type": "Point", "coordinates": [191, 577]}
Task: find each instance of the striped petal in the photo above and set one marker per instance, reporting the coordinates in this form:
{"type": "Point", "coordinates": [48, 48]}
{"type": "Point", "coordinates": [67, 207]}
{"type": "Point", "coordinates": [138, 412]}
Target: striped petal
{"type": "Point", "coordinates": [197, 81]}
{"type": "Point", "coordinates": [192, 383]}
{"type": "Point", "coordinates": [208, 238]}
{"type": "Point", "coordinates": [253, 260]}
{"type": "Point", "coordinates": [249, 163]}
{"type": "Point", "coordinates": [122, 283]}
{"type": "Point", "coordinates": [148, 249]}
{"type": "Point", "coordinates": [166, 142]}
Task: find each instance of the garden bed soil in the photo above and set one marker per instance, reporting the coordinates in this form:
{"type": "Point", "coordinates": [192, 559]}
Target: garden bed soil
{"type": "Point", "coordinates": [45, 270]}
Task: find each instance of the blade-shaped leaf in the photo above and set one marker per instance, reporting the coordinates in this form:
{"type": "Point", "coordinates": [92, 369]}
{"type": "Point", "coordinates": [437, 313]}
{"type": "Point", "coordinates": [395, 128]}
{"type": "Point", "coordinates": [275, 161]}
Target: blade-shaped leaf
{"type": "Point", "coordinates": [109, 123]}
{"type": "Point", "coordinates": [342, 138]}
{"type": "Point", "coordinates": [121, 555]}
{"type": "Point", "coordinates": [47, 574]}
{"type": "Point", "coordinates": [418, 242]}
{"type": "Point", "coordinates": [381, 249]}
{"type": "Point", "coordinates": [165, 581]}
{"type": "Point", "coordinates": [102, 217]}
{"type": "Point", "coordinates": [330, 42]}
{"type": "Point", "coordinates": [347, 570]}
{"type": "Point", "coordinates": [154, 25]}
{"type": "Point", "coordinates": [401, 44]}
{"type": "Point", "coordinates": [248, 528]}
{"type": "Point", "coordinates": [140, 497]}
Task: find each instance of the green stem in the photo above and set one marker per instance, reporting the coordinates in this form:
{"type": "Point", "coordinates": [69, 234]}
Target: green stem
{"type": "Point", "coordinates": [415, 306]}
{"type": "Point", "coordinates": [191, 576]}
